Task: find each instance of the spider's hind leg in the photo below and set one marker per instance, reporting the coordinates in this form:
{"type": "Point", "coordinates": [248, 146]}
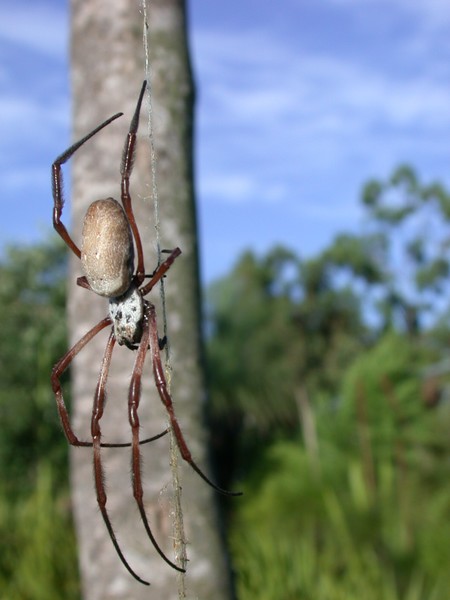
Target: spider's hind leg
{"type": "Point", "coordinates": [133, 406]}
{"type": "Point", "coordinates": [97, 413]}
{"type": "Point", "coordinates": [166, 398]}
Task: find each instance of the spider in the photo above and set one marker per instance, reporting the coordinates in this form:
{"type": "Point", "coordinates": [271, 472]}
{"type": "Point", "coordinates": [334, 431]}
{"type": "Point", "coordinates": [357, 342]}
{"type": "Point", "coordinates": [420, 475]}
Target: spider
{"type": "Point", "coordinates": [107, 258]}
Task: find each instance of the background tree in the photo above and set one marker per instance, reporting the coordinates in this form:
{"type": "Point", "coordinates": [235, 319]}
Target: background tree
{"type": "Point", "coordinates": [282, 329]}
{"type": "Point", "coordinates": [107, 73]}
{"type": "Point", "coordinates": [413, 218]}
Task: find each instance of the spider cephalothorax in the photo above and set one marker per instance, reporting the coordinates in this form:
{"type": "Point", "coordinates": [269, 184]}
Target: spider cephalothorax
{"type": "Point", "coordinates": [107, 257]}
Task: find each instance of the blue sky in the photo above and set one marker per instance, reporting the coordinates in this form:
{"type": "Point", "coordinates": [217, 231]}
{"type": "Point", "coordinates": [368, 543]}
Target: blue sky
{"type": "Point", "coordinates": [299, 103]}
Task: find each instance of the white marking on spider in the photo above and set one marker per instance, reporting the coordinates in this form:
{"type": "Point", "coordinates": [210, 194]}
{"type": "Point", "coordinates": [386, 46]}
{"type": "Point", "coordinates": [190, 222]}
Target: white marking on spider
{"type": "Point", "coordinates": [127, 313]}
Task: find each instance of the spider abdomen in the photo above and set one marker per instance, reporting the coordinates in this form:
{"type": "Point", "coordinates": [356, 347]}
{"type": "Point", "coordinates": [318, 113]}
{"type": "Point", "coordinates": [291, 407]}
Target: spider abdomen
{"type": "Point", "coordinates": [107, 253]}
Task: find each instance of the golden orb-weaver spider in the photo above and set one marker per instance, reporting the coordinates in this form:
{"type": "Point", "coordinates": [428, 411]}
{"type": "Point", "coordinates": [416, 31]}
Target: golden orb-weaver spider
{"type": "Point", "coordinates": [107, 257]}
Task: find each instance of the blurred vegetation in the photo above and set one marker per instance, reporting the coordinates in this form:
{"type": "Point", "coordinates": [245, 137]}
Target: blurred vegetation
{"type": "Point", "coordinates": [329, 379]}
{"type": "Point", "coordinates": [38, 557]}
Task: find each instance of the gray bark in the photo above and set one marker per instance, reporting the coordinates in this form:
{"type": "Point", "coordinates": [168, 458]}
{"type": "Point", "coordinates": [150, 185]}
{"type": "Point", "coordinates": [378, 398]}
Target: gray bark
{"type": "Point", "coordinates": [107, 72]}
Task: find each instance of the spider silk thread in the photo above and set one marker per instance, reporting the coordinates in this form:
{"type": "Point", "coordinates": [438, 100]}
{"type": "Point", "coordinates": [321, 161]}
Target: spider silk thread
{"type": "Point", "coordinates": [177, 522]}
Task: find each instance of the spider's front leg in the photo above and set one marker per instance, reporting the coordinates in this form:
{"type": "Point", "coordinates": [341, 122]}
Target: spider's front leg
{"type": "Point", "coordinates": [160, 271]}
{"type": "Point", "coordinates": [126, 169]}
{"type": "Point", "coordinates": [57, 185]}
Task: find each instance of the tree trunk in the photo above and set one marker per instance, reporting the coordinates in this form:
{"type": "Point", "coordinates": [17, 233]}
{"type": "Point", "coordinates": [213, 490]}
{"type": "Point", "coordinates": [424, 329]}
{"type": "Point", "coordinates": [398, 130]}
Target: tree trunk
{"type": "Point", "coordinates": [107, 73]}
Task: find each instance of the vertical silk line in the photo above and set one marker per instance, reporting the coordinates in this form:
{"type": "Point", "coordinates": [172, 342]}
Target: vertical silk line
{"type": "Point", "coordinates": [179, 537]}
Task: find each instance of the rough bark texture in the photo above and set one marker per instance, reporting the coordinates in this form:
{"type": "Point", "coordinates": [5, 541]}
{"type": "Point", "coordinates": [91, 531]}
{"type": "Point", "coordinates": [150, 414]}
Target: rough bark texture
{"type": "Point", "coordinates": [107, 72]}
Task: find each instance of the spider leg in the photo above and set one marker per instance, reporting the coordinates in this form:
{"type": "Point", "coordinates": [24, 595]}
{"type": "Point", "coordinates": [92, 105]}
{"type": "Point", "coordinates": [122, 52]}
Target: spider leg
{"type": "Point", "coordinates": [97, 413]}
{"type": "Point", "coordinates": [57, 185]}
{"type": "Point", "coordinates": [83, 282]}
{"type": "Point", "coordinates": [166, 398]}
{"type": "Point", "coordinates": [141, 442]}
{"type": "Point", "coordinates": [126, 168]}
{"type": "Point", "coordinates": [133, 405]}
{"type": "Point", "coordinates": [160, 271]}
{"type": "Point", "coordinates": [59, 369]}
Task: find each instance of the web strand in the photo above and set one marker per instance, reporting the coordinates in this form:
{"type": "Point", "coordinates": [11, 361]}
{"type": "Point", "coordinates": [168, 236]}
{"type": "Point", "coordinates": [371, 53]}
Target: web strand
{"type": "Point", "coordinates": [177, 521]}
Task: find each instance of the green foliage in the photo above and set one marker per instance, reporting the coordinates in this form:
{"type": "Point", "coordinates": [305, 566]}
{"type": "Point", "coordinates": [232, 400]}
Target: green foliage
{"type": "Point", "coordinates": [38, 558]}
{"type": "Point", "coordinates": [371, 517]}
{"type": "Point", "coordinates": [433, 275]}
{"type": "Point", "coordinates": [375, 193]}
{"type": "Point", "coordinates": [346, 493]}
{"type": "Point", "coordinates": [363, 256]}
{"type": "Point", "coordinates": [275, 321]}
{"type": "Point", "coordinates": [387, 380]}
{"type": "Point", "coordinates": [32, 321]}
{"type": "Point", "coordinates": [337, 426]}
{"type": "Point", "coordinates": [404, 211]}
{"type": "Point", "coordinates": [246, 312]}
{"type": "Point", "coordinates": [342, 528]}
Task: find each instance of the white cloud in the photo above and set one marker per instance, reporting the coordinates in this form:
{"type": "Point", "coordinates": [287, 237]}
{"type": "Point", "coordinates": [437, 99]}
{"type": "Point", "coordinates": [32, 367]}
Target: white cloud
{"type": "Point", "coordinates": [233, 188]}
{"type": "Point", "coordinates": [311, 85]}
{"type": "Point", "coordinates": [283, 102]}
{"type": "Point", "coordinates": [326, 213]}
{"type": "Point", "coordinates": [239, 187]}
